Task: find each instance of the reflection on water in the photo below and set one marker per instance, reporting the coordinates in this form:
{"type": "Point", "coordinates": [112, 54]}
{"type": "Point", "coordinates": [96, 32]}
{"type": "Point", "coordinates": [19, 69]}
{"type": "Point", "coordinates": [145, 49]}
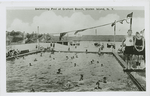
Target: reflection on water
{"type": "Point", "coordinates": [42, 75]}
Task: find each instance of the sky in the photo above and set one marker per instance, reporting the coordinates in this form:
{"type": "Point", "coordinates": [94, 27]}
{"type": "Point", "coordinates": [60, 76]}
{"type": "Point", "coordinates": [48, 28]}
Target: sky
{"type": "Point", "coordinates": [57, 21]}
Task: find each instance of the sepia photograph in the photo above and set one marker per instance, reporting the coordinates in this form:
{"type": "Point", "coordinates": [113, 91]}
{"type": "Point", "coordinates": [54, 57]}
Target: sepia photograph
{"type": "Point", "coordinates": [52, 49]}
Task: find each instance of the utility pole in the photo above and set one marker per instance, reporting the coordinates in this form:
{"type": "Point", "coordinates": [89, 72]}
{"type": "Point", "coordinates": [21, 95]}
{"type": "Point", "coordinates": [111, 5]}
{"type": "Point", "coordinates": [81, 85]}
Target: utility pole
{"type": "Point", "coordinates": [38, 37]}
{"type": "Point", "coordinates": [95, 31]}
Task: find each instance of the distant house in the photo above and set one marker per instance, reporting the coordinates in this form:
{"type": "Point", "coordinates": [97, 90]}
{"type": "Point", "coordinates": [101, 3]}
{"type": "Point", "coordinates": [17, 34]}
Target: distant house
{"type": "Point", "coordinates": [95, 38]}
{"type": "Point", "coordinates": [101, 38]}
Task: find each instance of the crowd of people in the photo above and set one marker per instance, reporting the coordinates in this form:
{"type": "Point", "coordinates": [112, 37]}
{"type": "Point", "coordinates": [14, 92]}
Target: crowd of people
{"type": "Point", "coordinates": [13, 52]}
{"type": "Point", "coordinates": [133, 48]}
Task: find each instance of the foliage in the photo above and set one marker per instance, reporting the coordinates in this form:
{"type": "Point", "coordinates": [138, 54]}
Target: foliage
{"type": "Point", "coordinates": [18, 36]}
{"type": "Point", "coordinates": [13, 33]}
{"type": "Point", "coordinates": [16, 39]}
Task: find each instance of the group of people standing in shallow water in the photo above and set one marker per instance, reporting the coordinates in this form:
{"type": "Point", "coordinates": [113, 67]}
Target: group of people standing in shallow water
{"type": "Point", "coordinates": [133, 48]}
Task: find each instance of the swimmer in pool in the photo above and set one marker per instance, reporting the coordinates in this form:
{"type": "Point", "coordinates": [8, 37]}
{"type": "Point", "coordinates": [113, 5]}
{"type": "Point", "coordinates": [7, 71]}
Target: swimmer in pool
{"type": "Point", "coordinates": [30, 64]}
{"type": "Point", "coordinates": [35, 59]}
{"type": "Point", "coordinates": [59, 71]}
{"type": "Point", "coordinates": [68, 85]}
{"type": "Point", "coordinates": [81, 77]}
{"type": "Point", "coordinates": [67, 58]}
{"type": "Point", "coordinates": [104, 80]}
{"type": "Point", "coordinates": [93, 60]}
{"type": "Point", "coordinates": [98, 84]}
{"type": "Point", "coordinates": [86, 51]}
{"type": "Point", "coordinates": [41, 54]}
{"type": "Point", "coordinates": [75, 64]}
{"type": "Point", "coordinates": [35, 76]}
{"type": "Point", "coordinates": [76, 55]}
{"type": "Point", "coordinates": [32, 90]}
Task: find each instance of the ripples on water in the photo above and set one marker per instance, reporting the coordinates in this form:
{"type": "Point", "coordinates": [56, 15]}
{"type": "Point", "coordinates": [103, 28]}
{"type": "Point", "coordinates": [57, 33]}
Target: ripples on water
{"type": "Point", "coordinates": [42, 75]}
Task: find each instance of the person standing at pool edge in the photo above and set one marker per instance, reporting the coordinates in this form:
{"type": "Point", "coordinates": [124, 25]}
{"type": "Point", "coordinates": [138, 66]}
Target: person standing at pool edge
{"type": "Point", "coordinates": [138, 48]}
{"type": "Point", "coordinates": [128, 52]}
{"type": "Point", "coordinates": [143, 36]}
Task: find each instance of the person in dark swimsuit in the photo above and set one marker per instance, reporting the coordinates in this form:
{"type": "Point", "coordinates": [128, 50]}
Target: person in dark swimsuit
{"type": "Point", "coordinates": [138, 48]}
{"type": "Point", "coordinates": [143, 36]}
{"type": "Point", "coordinates": [51, 44]}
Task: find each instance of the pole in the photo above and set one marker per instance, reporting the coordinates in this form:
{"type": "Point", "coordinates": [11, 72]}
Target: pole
{"type": "Point", "coordinates": [95, 31]}
{"type": "Point", "coordinates": [67, 39]}
{"type": "Point", "coordinates": [38, 36]}
{"type": "Point", "coordinates": [131, 23]}
{"type": "Point", "coordinates": [115, 36]}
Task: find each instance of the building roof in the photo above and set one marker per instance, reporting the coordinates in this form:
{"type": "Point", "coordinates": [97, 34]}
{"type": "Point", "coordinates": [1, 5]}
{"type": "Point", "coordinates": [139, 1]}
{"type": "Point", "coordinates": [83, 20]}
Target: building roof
{"type": "Point", "coordinates": [118, 38]}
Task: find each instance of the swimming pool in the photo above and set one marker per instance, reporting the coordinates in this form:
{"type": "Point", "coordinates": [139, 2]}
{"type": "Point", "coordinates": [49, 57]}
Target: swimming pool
{"type": "Point", "coordinates": [42, 74]}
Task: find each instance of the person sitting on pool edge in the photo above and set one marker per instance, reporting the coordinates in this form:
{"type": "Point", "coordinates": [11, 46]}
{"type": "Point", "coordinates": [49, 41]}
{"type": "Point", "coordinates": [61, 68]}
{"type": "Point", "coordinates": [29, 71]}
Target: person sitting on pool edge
{"type": "Point", "coordinates": [108, 44]}
{"type": "Point", "coordinates": [138, 48]}
{"type": "Point", "coordinates": [128, 52]}
{"type": "Point", "coordinates": [102, 47]}
{"type": "Point", "coordinates": [86, 51]}
{"type": "Point", "coordinates": [99, 50]}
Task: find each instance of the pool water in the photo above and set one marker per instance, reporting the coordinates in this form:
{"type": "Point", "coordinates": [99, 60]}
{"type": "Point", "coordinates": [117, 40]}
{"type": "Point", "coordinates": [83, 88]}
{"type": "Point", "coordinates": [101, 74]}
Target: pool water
{"type": "Point", "coordinates": [42, 74]}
